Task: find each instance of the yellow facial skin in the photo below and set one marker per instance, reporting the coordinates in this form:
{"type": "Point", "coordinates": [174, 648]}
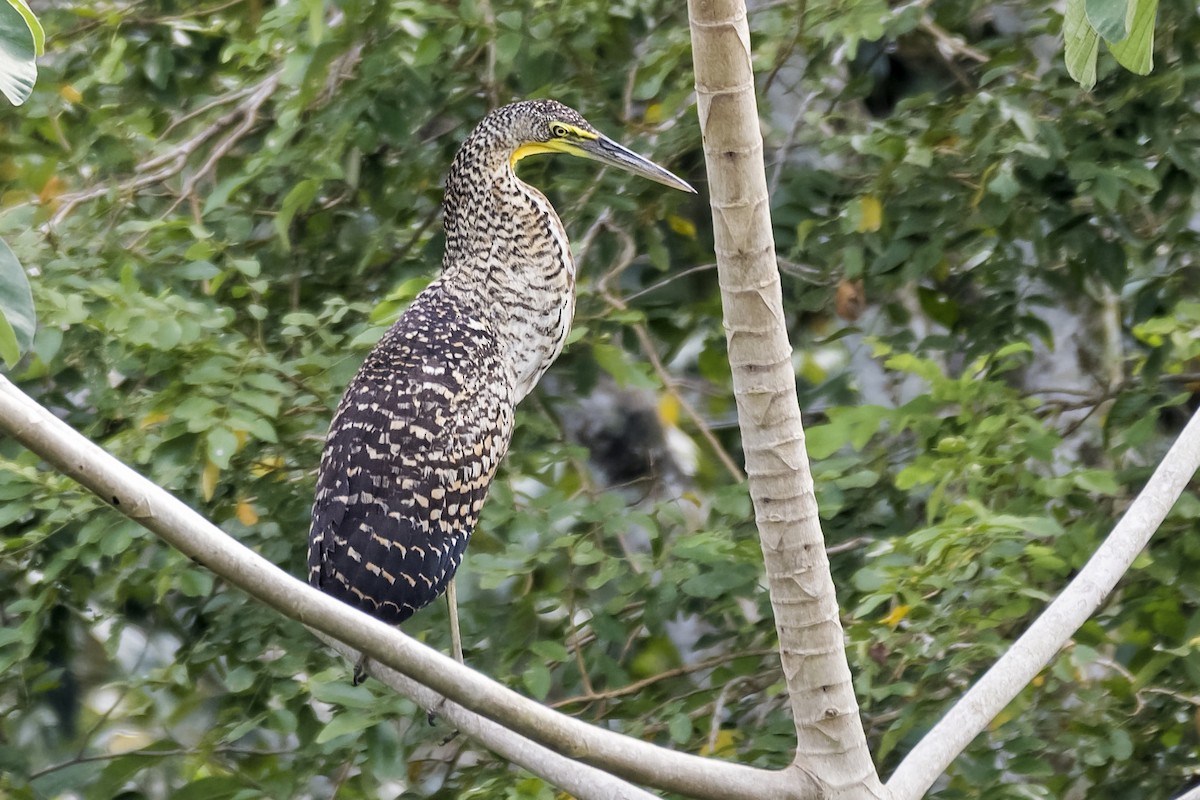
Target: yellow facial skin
{"type": "Point", "coordinates": [561, 144]}
{"type": "Point", "coordinates": [575, 141]}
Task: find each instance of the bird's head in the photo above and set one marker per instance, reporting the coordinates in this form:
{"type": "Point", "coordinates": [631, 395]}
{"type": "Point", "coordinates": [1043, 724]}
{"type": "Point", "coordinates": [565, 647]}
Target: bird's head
{"type": "Point", "coordinates": [547, 126]}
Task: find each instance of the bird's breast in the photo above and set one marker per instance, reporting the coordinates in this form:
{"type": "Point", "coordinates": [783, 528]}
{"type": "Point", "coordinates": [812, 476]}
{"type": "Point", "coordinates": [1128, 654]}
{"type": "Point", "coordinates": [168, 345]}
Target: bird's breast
{"type": "Point", "coordinates": [533, 291]}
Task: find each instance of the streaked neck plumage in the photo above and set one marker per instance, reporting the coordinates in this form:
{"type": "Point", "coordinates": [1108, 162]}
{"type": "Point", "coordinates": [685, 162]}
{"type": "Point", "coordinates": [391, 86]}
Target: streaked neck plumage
{"type": "Point", "coordinates": [507, 254]}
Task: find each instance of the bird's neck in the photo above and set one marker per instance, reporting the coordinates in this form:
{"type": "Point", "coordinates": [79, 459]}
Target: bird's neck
{"type": "Point", "coordinates": [507, 255]}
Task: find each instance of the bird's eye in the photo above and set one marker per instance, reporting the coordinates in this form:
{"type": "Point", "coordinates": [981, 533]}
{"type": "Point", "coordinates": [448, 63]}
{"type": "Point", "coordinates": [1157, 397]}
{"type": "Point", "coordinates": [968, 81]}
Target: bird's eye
{"type": "Point", "coordinates": [559, 130]}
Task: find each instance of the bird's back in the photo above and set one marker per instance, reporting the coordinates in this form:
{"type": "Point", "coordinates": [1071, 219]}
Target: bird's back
{"type": "Point", "coordinates": [410, 454]}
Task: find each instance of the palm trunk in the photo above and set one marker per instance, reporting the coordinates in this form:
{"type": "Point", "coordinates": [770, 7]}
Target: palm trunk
{"type": "Point", "coordinates": [830, 740]}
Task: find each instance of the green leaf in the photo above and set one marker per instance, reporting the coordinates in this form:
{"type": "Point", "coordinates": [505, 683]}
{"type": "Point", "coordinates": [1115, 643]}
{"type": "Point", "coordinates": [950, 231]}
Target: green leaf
{"type": "Point", "coordinates": [344, 723]}
{"type": "Point", "coordinates": [537, 680]}
{"type": "Point", "coordinates": [240, 678]}
{"type": "Point", "coordinates": [718, 583]}
{"type": "Point", "coordinates": [117, 772]}
{"type": "Point", "coordinates": [823, 441]}
{"type": "Point", "coordinates": [243, 728]}
{"type": "Point", "coordinates": [21, 40]}
{"type": "Point", "coordinates": [1136, 52]}
{"type": "Point", "coordinates": [680, 728]}
{"type": "Point", "coordinates": [1109, 18]}
{"type": "Point", "coordinates": [300, 197]}
{"type": "Point", "coordinates": [1097, 482]}
{"type": "Point", "coordinates": [158, 65]}
{"type": "Point", "coordinates": [551, 651]}
{"type": "Point", "coordinates": [9, 350]}
{"type": "Point", "coordinates": [1122, 745]}
{"type": "Point", "coordinates": [35, 27]}
{"type": "Point", "coordinates": [1004, 183]}
{"type": "Point", "coordinates": [222, 444]}
{"type": "Point", "coordinates": [1081, 44]}
{"type": "Point", "coordinates": [213, 787]}
{"type": "Point", "coordinates": [195, 582]}
{"type": "Point", "coordinates": [344, 694]}
{"type": "Point", "coordinates": [17, 318]}
{"type": "Point", "coordinates": [69, 778]}
{"type": "Point", "coordinates": [625, 372]}
{"type": "Point", "coordinates": [941, 308]}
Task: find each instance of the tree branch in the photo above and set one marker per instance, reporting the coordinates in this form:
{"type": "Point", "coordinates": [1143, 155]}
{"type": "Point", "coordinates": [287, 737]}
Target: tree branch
{"type": "Point", "coordinates": [173, 160]}
{"type": "Point", "coordinates": [1053, 629]}
{"type": "Point", "coordinates": [165, 515]}
{"type": "Point", "coordinates": [628, 250]}
{"type": "Point", "coordinates": [580, 780]}
{"type": "Point", "coordinates": [675, 672]}
{"type": "Point", "coordinates": [1191, 794]}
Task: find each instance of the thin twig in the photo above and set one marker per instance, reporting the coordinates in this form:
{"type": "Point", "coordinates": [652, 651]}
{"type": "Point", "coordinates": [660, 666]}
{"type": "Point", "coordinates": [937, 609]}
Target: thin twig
{"type": "Point", "coordinates": [654, 287]}
{"type": "Point", "coordinates": [153, 754]}
{"type": "Point", "coordinates": [628, 251]}
{"type": "Point", "coordinates": [651, 353]}
{"type": "Point", "coordinates": [221, 100]}
{"type": "Point", "coordinates": [171, 162]}
{"type": "Point", "coordinates": [714, 729]}
{"type": "Point", "coordinates": [490, 87]}
{"type": "Point", "coordinates": [849, 544]}
{"type": "Point", "coordinates": [249, 113]}
{"type": "Point", "coordinates": [675, 672]}
{"type": "Point", "coordinates": [577, 647]}
{"type": "Point", "coordinates": [191, 15]}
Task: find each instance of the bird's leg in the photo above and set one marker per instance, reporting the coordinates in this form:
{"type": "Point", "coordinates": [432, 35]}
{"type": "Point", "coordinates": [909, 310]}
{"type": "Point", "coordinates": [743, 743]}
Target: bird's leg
{"type": "Point", "coordinates": [360, 670]}
{"type": "Point", "coordinates": [455, 633]}
{"type": "Point", "coordinates": [455, 643]}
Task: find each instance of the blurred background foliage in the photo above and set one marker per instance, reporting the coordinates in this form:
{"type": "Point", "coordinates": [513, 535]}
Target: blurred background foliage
{"type": "Point", "coordinates": [991, 283]}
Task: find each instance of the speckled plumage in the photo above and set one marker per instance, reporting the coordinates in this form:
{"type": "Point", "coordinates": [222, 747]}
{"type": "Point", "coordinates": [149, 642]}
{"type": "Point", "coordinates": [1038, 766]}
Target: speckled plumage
{"type": "Point", "coordinates": [418, 435]}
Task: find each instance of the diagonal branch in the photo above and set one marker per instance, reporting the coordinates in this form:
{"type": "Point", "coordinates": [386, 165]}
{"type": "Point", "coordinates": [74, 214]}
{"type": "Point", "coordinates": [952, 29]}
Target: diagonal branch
{"type": "Point", "coordinates": [628, 251]}
{"type": "Point", "coordinates": [165, 515]}
{"type": "Point", "coordinates": [249, 113]}
{"type": "Point", "coordinates": [173, 160]}
{"type": "Point", "coordinates": [1021, 663]}
{"type": "Point", "coordinates": [582, 781]}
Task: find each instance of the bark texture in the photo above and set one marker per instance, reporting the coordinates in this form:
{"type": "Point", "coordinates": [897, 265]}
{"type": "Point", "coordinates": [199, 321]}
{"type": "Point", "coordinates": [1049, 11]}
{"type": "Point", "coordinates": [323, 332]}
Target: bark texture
{"type": "Point", "coordinates": [830, 740]}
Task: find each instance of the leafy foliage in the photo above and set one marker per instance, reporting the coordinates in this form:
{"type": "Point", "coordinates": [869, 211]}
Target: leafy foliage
{"type": "Point", "coordinates": [990, 284]}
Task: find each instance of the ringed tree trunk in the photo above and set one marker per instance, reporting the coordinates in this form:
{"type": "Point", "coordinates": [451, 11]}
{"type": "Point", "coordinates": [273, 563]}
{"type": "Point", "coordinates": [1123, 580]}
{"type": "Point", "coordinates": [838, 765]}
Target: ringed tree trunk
{"type": "Point", "coordinates": [830, 740]}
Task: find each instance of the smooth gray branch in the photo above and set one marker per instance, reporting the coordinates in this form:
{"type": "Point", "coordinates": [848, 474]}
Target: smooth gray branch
{"type": "Point", "coordinates": [162, 513]}
{"type": "Point", "coordinates": [582, 781]}
{"type": "Point", "coordinates": [1054, 628]}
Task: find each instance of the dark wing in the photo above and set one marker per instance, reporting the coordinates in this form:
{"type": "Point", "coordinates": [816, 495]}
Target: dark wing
{"type": "Point", "coordinates": [408, 461]}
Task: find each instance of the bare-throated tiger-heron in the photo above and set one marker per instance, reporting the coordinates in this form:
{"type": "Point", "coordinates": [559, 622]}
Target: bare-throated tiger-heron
{"type": "Point", "coordinates": [417, 437]}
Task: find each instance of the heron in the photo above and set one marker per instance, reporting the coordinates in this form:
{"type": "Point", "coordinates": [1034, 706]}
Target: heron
{"type": "Point", "coordinates": [416, 439]}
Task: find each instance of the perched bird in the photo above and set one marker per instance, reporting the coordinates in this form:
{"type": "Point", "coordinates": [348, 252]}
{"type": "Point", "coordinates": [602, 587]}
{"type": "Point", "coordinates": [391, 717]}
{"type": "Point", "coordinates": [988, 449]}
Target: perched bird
{"type": "Point", "coordinates": [418, 435]}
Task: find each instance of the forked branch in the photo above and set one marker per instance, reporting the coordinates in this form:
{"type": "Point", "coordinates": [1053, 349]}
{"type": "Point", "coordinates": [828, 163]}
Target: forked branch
{"type": "Point", "coordinates": [165, 515]}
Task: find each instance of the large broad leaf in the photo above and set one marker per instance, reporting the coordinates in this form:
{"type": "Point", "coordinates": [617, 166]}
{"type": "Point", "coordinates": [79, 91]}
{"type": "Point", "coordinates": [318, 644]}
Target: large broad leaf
{"type": "Point", "coordinates": [21, 40]}
{"type": "Point", "coordinates": [31, 22]}
{"type": "Point", "coordinates": [17, 320]}
{"type": "Point", "coordinates": [1110, 18]}
{"type": "Point", "coordinates": [1081, 44]}
{"type": "Point", "coordinates": [1136, 52]}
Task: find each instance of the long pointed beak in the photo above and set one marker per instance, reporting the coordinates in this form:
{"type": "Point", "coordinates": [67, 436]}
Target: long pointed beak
{"type": "Point", "coordinates": [606, 151]}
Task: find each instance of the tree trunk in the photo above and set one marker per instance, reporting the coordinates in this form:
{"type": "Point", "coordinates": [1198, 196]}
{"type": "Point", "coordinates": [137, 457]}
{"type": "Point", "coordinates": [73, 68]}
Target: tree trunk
{"type": "Point", "coordinates": [829, 734]}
